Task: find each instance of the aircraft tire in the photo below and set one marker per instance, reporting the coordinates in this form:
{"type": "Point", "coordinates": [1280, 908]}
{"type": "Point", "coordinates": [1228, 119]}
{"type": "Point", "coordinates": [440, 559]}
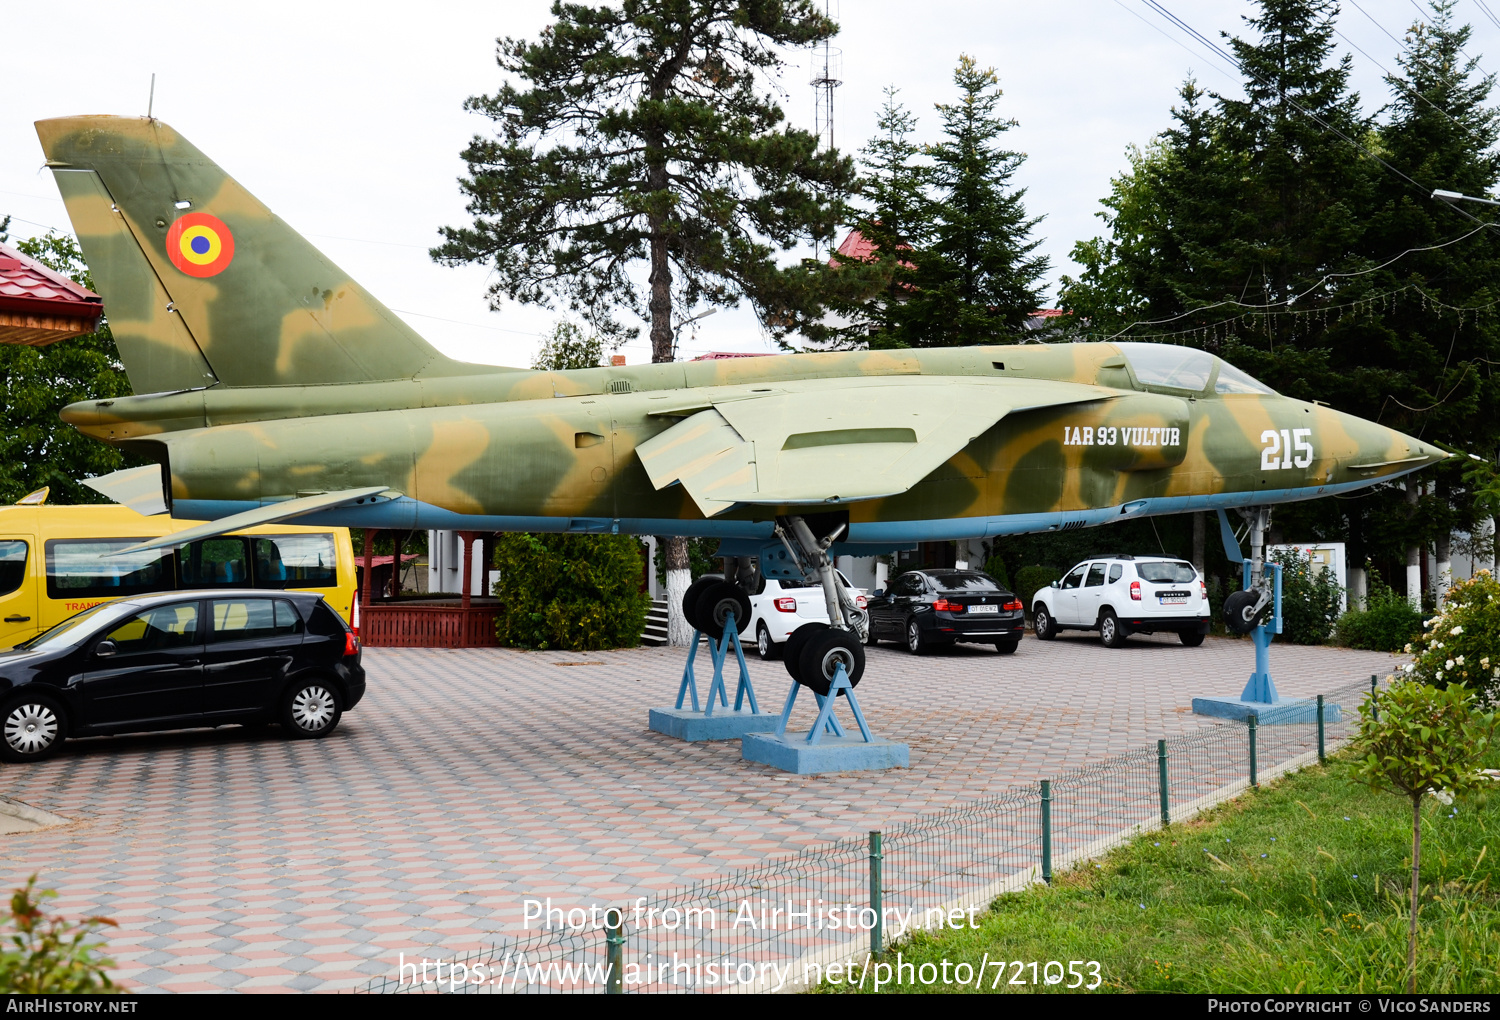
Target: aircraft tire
{"type": "Point", "coordinates": [792, 651]}
{"type": "Point", "coordinates": [716, 601]}
{"type": "Point", "coordinates": [690, 599]}
{"type": "Point", "coordinates": [1237, 612]}
{"type": "Point", "coordinates": [821, 655]}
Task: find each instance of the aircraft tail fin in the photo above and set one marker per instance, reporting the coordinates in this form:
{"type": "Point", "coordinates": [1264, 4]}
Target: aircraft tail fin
{"type": "Point", "coordinates": [202, 284]}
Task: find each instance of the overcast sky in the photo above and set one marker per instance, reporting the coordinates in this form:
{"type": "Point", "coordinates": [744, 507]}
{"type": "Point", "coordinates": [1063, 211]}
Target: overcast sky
{"type": "Point", "coordinates": [346, 118]}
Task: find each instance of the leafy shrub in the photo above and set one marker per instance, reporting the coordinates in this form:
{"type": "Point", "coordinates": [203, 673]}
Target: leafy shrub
{"type": "Point", "coordinates": [1386, 625]}
{"type": "Point", "coordinates": [1030, 580]}
{"type": "Point", "coordinates": [49, 954]}
{"type": "Point", "coordinates": [1309, 598]}
{"type": "Point", "coordinates": [995, 567]}
{"type": "Point", "coordinates": [1461, 645]}
{"type": "Point", "coordinates": [579, 592]}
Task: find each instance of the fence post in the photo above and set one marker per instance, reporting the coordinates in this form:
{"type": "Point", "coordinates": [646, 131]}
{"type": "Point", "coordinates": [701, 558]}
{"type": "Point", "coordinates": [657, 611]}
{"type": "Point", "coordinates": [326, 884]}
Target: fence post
{"type": "Point", "coordinates": [1322, 758]}
{"type": "Point", "coordinates": [1047, 831]}
{"type": "Point", "coordinates": [1253, 780]}
{"type": "Point", "coordinates": [614, 952]}
{"type": "Point", "coordinates": [1161, 775]}
{"type": "Point", "coordinates": [1374, 713]}
{"type": "Point", "coordinates": [877, 933]}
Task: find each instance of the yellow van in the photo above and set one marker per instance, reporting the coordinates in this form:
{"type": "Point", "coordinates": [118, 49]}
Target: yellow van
{"type": "Point", "coordinates": [54, 562]}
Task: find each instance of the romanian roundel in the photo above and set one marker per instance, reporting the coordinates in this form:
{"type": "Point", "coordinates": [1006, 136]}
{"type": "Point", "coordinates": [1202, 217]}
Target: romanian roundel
{"type": "Point", "coordinates": [200, 245]}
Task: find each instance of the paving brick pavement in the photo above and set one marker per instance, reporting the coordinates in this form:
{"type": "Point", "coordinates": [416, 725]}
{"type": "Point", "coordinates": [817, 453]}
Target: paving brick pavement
{"type": "Point", "coordinates": [470, 780]}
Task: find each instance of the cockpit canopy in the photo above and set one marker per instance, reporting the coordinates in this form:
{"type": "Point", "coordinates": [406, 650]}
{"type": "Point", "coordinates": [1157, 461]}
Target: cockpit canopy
{"type": "Point", "coordinates": [1186, 368]}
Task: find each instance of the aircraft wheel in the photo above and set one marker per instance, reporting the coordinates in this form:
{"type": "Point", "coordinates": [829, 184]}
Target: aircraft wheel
{"type": "Point", "coordinates": [1046, 627]}
{"type": "Point", "coordinates": [690, 600]}
{"type": "Point", "coordinates": [1238, 611]}
{"type": "Point", "coordinates": [764, 646]}
{"type": "Point", "coordinates": [716, 601]}
{"type": "Point", "coordinates": [792, 651]}
{"type": "Point", "coordinates": [823, 653]}
{"type": "Point", "coordinates": [1110, 630]}
{"type": "Point", "coordinates": [1190, 638]}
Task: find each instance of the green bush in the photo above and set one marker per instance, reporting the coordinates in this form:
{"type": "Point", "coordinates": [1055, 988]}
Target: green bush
{"type": "Point", "coordinates": [995, 567]}
{"type": "Point", "coordinates": [49, 955]}
{"type": "Point", "coordinates": [1030, 580]}
{"type": "Point", "coordinates": [1461, 645]}
{"type": "Point", "coordinates": [1387, 623]}
{"type": "Point", "coordinates": [579, 592]}
{"type": "Point", "coordinates": [1309, 599]}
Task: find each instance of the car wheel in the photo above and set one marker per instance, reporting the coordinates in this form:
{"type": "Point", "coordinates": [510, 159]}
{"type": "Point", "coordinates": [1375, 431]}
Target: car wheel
{"type": "Point", "coordinates": [32, 727]}
{"type": "Point", "coordinates": [792, 651]}
{"type": "Point", "coordinates": [916, 642]}
{"type": "Point", "coordinates": [1046, 627]}
{"type": "Point", "coordinates": [823, 654]}
{"type": "Point", "coordinates": [310, 708]}
{"type": "Point", "coordinates": [764, 646]}
{"type": "Point", "coordinates": [1110, 631]}
{"type": "Point", "coordinates": [716, 602]}
{"type": "Point", "coordinates": [1007, 647]}
{"type": "Point", "coordinates": [1190, 638]}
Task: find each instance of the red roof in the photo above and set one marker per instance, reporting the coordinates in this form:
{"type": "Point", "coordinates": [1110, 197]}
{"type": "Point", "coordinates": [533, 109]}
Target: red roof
{"type": "Point", "coordinates": [720, 355]}
{"type": "Point", "coordinates": [855, 247]}
{"type": "Point", "coordinates": [40, 305]}
{"type": "Point", "coordinates": [27, 285]}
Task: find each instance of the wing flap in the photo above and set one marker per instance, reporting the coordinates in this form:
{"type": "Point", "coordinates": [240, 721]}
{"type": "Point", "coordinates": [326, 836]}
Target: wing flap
{"type": "Point", "coordinates": [840, 442]}
{"type": "Point", "coordinates": [271, 513]}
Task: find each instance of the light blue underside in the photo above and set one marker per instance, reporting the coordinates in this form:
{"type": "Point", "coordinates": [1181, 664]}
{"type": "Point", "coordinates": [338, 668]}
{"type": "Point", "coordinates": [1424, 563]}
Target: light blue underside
{"type": "Point", "coordinates": [747, 537]}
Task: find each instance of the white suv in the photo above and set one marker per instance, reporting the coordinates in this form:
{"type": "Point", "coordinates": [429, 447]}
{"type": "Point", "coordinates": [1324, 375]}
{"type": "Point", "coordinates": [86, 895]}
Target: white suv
{"type": "Point", "coordinates": [780, 607]}
{"type": "Point", "coordinates": [1123, 595]}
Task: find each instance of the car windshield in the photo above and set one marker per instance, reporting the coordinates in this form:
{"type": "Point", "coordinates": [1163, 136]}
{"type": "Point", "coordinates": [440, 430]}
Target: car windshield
{"type": "Point", "coordinates": [1166, 572]}
{"type": "Point", "coordinates": [964, 580]}
{"type": "Point", "coordinates": [1182, 368]}
{"type": "Point", "coordinates": [75, 628]}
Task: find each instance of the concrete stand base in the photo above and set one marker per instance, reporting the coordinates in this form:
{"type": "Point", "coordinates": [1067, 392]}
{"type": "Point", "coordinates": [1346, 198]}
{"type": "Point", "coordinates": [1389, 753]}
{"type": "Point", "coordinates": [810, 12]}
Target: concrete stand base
{"type": "Point", "coordinates": [792, 753]}
{"type": "Point", "coordinates": [685, 724]}
{"type": "Point", "coordinates": [1281, 711]}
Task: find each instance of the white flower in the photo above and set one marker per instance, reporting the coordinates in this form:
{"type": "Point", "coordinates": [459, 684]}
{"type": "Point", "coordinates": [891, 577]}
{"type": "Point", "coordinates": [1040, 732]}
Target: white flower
{"type": "Point", "coordinates": [1409, 667]}
{"type": "Point", "coordinates": [1459, 660]}
{"type": "Point", "coordinates": [1448, 664]}
{"type": "Point", "coordinates": [1456, 631]}
{"type": "Point", "coordinates": [1439, 675]}
{"type": "Point", "coordinates": [1443, 796]}
{"type": "Point", "coordinates": [1408, 648]}
{"type": "Point", "coordinates": [1485, 661]}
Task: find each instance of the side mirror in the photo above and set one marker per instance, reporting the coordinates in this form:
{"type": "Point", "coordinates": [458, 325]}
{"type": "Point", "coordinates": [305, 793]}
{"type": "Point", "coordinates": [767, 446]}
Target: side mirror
{"type": "Point", "coordinates": [879, 591]}
{"type": "Point", "coordinates": [104, 649]}
{"type": "Point", "coordinates": [1052, 584]}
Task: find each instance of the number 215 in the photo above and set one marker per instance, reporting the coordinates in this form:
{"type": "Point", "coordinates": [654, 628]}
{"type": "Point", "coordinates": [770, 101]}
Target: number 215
{"type": "Point", "coordinates": [1280, 447]}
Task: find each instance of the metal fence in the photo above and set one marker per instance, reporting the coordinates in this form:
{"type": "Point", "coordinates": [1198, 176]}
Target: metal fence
{"type": "Point", "coordinates": [780, 925]}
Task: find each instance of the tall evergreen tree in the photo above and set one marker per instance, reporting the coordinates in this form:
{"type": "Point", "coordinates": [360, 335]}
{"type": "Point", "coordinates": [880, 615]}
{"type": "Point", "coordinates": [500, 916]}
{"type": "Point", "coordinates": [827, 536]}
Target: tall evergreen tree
{"type": "Point", "coordinates": [646, 133]}
{"type": "Point", "coordinates": [977, 280]}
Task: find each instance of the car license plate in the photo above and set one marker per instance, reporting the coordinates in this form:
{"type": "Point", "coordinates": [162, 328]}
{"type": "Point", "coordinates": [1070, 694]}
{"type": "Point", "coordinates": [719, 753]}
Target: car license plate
{"type": "Point", "coordinates": [984, 609]}
{"type": "Point", "coordinates": [1172, 598]}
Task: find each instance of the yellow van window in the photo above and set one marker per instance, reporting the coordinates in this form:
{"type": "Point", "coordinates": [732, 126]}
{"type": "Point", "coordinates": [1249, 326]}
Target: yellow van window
{"type": "Point", "coordinates": [214, 562]}
{"type": "Point", "coordinates": [239, 619]}
{"type": "Point", "coordinates": [155, 629]}
{"type": "Point", "coordinates": [84, 568]}
{"type": "Point", "coordinates": [295, 561]}
{"type": "Point", "coordinates": [12, 564]}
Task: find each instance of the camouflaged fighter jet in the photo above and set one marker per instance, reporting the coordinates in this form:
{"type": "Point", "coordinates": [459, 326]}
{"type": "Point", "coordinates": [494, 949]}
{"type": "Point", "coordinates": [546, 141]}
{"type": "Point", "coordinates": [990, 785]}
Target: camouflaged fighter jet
{"type": "Point", "coordinates": [271, 386]}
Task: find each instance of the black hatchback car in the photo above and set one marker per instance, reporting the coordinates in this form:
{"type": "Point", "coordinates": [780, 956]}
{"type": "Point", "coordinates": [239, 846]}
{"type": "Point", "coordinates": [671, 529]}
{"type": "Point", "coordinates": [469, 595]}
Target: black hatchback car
{"type": "Point", "coordinates": [923, 608]}
{"type": "Point", "coordinates": [176, 660]}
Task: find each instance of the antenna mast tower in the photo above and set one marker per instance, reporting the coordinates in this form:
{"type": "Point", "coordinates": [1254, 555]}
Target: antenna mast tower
{"type": "Point", "coordinates": [827, 68]}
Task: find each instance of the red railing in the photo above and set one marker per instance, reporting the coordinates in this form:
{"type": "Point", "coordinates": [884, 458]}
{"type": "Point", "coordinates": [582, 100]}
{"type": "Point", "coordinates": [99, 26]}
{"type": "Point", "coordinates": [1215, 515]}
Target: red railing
{"type": "Point", "coordinates": [407, 626]}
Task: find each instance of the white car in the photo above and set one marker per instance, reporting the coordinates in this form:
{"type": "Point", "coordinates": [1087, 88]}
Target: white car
{"type": "Point", "coordinates": [1123, 595]}
{"type": "Point", "coordinates": [779, 607]}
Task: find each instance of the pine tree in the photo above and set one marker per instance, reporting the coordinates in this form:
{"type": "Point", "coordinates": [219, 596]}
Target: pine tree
{"type": "Point", "coordinates": [644, 133]}
{"type": "Point", "coordinates": [977, 280]}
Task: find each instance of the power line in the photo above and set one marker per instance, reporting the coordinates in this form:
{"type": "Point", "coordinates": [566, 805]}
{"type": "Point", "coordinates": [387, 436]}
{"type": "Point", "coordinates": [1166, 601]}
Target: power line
{"type": "Point", "coordinates": [1177, 42]}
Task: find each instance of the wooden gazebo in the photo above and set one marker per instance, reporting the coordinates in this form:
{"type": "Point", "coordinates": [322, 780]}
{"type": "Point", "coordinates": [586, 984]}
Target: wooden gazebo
{"type": "Point", "coordinates": [41, 306]}
{"type": "Point", "coordinates": [391, 620]}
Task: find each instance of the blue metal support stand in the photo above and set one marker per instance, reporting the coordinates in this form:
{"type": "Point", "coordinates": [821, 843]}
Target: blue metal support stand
{"type": "Point", "coordinates": [826, 747]}
{"type": "Point", "coordinates": [705, 723]}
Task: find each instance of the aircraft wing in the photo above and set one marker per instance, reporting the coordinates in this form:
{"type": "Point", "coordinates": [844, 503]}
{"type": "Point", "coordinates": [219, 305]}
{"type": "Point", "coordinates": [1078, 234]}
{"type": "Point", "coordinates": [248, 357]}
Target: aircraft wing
{"type": "Point", "coordinates": [268, 514]}
{"type": "Point", "coordinates": [829, 442]}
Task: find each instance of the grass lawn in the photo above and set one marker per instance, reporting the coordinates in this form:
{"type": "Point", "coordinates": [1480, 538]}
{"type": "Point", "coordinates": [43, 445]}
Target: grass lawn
{"type": "Point", "coordinates": [1299, 886]}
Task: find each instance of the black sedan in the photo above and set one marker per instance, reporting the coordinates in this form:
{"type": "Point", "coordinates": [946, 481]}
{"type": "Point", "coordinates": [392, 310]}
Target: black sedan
{"type": "Point", "coordinates": [923, 608]}
{"type": "Point", "coordinates": [180, 659]}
